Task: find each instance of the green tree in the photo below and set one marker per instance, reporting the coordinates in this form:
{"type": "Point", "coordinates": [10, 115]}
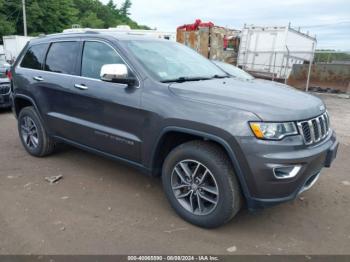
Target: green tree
{"type": "Point", "coordinates": [91, 20]}
{"type": "Point", "coordinates": [327, 56]}
{"type": "Point", "coordinates": [53, 16]}
{"type": "Point", "coordinates": [8, 13]}
{"type": "Point", "coordinates": [125, 8]}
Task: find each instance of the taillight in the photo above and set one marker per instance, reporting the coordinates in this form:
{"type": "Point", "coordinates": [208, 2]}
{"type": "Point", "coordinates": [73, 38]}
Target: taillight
{"type": "Point", "coordinates": [9, 74]}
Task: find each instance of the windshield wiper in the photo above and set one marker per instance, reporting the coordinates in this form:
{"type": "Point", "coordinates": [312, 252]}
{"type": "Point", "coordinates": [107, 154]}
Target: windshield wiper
{"type": "Point", "coordinates": [185, 79]}
{"type": "Point", "coordinates": [220, 76]}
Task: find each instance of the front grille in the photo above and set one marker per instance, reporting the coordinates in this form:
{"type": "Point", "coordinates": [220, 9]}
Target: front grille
{"type": "Point", "coordinates": [4, 89]}
{"type": "Point", "coordinates": [315, 129]}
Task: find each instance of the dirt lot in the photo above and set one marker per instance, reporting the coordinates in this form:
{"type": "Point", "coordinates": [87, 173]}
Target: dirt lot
{"type": "Point", "coordinates": [104, 207]}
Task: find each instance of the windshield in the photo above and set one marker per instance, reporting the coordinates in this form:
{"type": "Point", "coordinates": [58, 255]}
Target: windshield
{"type": "Point", "coordinates": [234, 71]}
{"type": "Point", "coordinates": [170, 61]}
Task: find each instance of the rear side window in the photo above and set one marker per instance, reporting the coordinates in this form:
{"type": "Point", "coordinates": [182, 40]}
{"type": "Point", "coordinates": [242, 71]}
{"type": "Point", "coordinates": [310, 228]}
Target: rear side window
{"type": "Point", "coordinates": [34, 58]}
{"type": "Point", "coordinates": [62, 57]}
{"type": "Point", "coordinates": [95, 55]}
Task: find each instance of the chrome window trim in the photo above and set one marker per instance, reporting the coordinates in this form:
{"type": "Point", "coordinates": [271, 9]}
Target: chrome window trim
{"type": "Point", "coordinates": [88, 78]}
{"type": "Point", "coordinates": [48, 43]}
{"type": "Point", "coordinates": [126, 63]}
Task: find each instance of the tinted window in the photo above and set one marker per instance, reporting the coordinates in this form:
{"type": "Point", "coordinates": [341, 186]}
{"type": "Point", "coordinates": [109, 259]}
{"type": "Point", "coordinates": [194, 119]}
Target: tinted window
{"type": "Point", "coordinates": [62, 57]}
{"type": "Point", "coordinates": [95, 55]}
{"type": "Point", "coordinates": [34, 57]}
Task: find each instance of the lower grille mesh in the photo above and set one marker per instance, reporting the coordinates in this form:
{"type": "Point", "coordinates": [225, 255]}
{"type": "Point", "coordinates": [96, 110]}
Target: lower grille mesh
{"type": "Point", "coordinates": [4, 89]}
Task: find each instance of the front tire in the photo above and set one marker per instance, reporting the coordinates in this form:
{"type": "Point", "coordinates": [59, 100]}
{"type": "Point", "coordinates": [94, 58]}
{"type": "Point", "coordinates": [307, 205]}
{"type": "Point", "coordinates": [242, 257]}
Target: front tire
{"type": "Point", "coordinates": [32, 133]}
{"type": "Point", "coordinates": [200, 184]}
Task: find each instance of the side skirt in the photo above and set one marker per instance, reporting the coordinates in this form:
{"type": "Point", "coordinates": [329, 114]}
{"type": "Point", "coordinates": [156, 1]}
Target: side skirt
{"type": "Point", "coordinates": [136, 165]}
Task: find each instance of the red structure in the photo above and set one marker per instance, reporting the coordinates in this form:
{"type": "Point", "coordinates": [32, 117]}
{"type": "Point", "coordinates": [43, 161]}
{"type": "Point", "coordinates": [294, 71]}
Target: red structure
{"type": "Point", "coordinates": [195, 25]}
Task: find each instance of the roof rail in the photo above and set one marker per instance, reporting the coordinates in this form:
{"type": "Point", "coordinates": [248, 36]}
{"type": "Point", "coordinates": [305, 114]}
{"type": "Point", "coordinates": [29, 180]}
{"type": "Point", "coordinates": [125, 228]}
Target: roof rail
{"type": "Point", "coordinates": [90, 32]}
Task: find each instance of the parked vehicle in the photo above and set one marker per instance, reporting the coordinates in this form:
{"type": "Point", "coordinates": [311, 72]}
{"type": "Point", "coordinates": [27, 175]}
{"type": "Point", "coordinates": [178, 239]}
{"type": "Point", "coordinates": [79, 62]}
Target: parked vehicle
{"type": "Point", "coordinates": [234, 71]}
{"type": "Point", "coordinates": [5, 89]}
{"type": "Point", "coordinates": [4, 66]}
{"type": "Point", "coordinates": [243, 75]}
{"type": "Point", "coordinates": [160, 106]}
{"type": "Point", "coordinates": [5, 93]}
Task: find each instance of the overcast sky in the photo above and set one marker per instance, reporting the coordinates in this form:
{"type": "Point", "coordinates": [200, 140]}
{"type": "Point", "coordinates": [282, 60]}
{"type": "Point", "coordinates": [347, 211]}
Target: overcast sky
{"type": "Point", "coordinates": [328, 19]}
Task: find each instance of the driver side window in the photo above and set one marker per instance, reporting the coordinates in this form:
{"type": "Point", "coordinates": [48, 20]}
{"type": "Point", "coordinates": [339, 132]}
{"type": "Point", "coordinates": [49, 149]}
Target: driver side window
{"type": "Point", "coordinates": [95, 55]}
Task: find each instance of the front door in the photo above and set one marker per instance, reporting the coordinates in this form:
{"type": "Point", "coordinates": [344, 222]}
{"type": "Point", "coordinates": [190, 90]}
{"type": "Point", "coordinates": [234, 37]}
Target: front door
{"type": "Point", "coordinates": [106, 116]}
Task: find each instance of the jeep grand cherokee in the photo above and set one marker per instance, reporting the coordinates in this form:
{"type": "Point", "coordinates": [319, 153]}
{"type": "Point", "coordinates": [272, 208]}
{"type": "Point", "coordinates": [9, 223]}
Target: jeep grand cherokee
{"type": "Point", "coordinates": [216, 141]}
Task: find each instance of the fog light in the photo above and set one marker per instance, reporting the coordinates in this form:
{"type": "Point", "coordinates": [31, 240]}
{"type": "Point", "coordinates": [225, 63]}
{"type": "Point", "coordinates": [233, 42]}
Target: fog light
{"type": "Point", "coordinates": [286, 172]}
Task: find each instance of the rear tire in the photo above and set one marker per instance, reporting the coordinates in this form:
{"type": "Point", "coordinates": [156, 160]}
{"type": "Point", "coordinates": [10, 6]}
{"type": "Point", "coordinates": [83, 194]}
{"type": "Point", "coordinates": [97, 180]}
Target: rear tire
{"type": "Point", "coordinates": [32, 133]}
{"type": "Point", "coordinates": [206, 202]}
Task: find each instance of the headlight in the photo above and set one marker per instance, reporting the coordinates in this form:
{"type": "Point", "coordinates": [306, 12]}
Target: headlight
{"type": "Point", "coordinates": [273, 131]}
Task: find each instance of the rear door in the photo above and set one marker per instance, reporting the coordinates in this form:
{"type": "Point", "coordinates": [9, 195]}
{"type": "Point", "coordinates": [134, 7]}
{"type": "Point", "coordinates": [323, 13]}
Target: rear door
{"type": "Point", "coordinates": [55, 85]}
{"type": "Point", "coordinates": [106, 116]}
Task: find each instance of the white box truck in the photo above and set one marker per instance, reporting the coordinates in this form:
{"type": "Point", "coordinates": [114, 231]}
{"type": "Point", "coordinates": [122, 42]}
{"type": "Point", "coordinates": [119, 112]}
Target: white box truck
{"type": "Point", "coordinates": [13, 45]}
{"type": "Point", "coordinates": [271, 51]}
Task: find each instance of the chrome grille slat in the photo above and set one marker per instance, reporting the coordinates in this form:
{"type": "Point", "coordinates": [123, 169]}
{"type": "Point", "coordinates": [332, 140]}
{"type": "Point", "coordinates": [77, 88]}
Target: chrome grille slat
{"type": "Point", "coordinates": [323, 130]}
{"type": "Point", "coordinates": [314, 130]}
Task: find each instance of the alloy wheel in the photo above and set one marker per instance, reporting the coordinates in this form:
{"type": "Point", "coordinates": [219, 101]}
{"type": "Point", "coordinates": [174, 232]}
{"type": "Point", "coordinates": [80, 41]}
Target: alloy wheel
{"type": "Point", "coordinates": [29, 132]}
{"type": "Point", "coordinates": [195, 187]}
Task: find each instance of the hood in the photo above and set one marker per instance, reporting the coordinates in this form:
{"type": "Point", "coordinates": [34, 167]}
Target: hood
{"type": "Point", "coordinates": [4, 80]}
{"type": "Point", "coordinates": [266, 99]}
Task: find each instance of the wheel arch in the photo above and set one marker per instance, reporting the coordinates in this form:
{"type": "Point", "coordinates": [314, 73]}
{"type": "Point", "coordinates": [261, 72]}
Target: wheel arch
{"type": "Point", "coordinates": [163, 147]}
{"type": "Point", "coordinates": [21, 101]}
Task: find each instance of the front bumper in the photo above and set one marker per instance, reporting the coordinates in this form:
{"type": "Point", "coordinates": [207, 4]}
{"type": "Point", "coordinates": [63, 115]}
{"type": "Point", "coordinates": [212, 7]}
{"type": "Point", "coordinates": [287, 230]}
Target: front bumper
{"type": "Point", "coordinates": [264, 188]}
{"type": "Point", "coordinates": [5, 101]}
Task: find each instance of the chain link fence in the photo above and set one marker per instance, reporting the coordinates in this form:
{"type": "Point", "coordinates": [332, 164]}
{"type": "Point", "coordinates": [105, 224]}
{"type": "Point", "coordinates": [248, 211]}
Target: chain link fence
{"type": "Point", "coordinates": [322, 70]}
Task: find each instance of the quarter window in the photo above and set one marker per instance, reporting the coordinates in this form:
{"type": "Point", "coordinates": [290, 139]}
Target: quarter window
{"type": "Point", "coordinates": [95, 55]}
{"type": "Point", "coordinates": [34, 57]}
{"type": "Point", "coordinates": [62, 57]}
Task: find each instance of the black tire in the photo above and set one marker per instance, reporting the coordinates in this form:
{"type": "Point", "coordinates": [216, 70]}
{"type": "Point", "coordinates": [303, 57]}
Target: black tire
{"type": "Point", "coordinates": [45, 145]}
{"type": "Point", "coordinates": [229, 199]}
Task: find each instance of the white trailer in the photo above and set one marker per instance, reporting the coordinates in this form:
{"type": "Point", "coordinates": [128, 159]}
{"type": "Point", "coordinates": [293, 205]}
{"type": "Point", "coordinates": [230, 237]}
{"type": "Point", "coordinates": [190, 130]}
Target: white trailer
{"type": "Point", "coordinates": [13, 45]}
{"type": "Point", "coordinates": [125, 29]}
{"type": "Point", "coordinates": [271, 51]}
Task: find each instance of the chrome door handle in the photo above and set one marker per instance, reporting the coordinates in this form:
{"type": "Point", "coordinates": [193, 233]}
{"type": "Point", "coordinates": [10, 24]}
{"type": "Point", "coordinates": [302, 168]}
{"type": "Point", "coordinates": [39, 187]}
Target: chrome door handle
{"type": "Point", "coordinates": [81, 87]}
{"type": "Point", "coordinates": [38, 78]}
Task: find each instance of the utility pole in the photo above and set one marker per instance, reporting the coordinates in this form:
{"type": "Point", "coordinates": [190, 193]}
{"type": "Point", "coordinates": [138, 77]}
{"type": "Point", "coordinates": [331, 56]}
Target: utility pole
{"type": "Point", "coordinates": [24, 17]}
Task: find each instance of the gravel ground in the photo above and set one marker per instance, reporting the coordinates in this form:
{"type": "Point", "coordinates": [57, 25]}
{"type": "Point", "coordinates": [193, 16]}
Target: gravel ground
{"type": "Point", "coordinates": [104, 207]}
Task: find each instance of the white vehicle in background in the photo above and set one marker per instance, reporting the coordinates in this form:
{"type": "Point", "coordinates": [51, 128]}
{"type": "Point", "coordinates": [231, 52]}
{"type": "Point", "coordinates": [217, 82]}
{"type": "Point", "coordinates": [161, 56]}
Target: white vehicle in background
{"type": "Point", "coordinates": [13, 45]}
{"type": "Point", "coordinates": [234, 70]}
{"type": "Point", "coordinates": [125, 29]}
{"type": "Point", "coordinates": [238, 73]}
{"type": "Point", "coordinates": [4, 66]}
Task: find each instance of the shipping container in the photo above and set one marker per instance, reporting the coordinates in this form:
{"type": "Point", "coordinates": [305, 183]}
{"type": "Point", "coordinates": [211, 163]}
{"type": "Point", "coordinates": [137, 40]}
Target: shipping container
{"type": "Point", "coordinates": [271, 52]}
{"type": "Point", "coordinates": [213, 42]}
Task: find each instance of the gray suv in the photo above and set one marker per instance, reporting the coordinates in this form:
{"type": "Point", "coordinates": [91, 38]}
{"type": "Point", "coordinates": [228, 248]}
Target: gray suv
{"type": "Point", "coordinates": [217, 142]}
